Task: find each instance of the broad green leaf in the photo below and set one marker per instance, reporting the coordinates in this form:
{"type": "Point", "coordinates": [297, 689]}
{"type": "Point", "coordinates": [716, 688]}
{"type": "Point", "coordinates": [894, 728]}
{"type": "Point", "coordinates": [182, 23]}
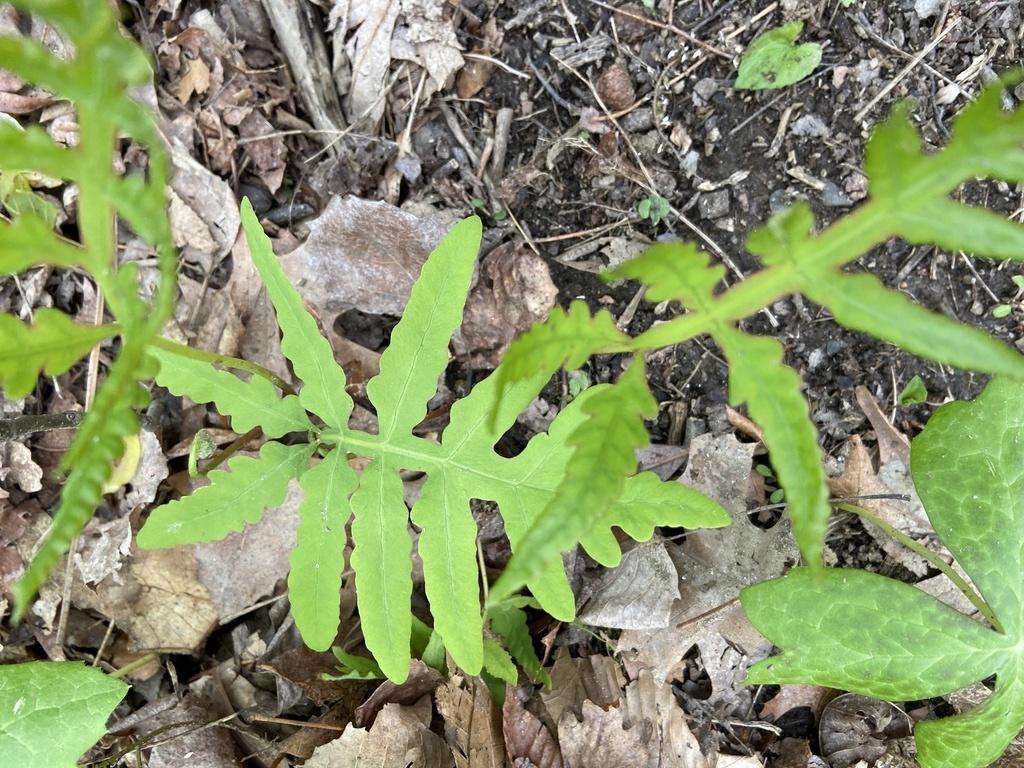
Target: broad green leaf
{"type": "Point", "coordinates": [323, 380]}
{"type": "Point", "coordinates": [883, 638]}
{"type": "Point", "coordinates": [418, 352]}
{"type": "Point", "coordinates": [771, 390]}
{"type": "Point", "coordinates": [774, 60]}
{"type": "Point", "coordinates": [231, 500]}
{"type": "Point", "coordinates": [318, 559]}
{"type": "Point", "coordinates": [53, 343]}
{"type": "Point", "coordinates": [249, 403]}
{"type": "Point", "coordinates": [603, 455]}
{"type": "Point", "coordinates": [673, 271]}
{"type": "Point", "coordinates": [381, 561]}
{"type": "Point", "coordinates": [51, 713]}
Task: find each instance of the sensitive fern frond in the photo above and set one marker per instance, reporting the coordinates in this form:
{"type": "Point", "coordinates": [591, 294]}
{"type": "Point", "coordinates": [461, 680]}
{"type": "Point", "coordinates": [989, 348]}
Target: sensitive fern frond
{"type": "Point", "coordinates": [462, 466]}
{"type": "Point", "coordinates": [54, 343]}
{"type": "Point", "coordinates": [909, 198]}
{"type": "Point", "coordinates": [100, 91]}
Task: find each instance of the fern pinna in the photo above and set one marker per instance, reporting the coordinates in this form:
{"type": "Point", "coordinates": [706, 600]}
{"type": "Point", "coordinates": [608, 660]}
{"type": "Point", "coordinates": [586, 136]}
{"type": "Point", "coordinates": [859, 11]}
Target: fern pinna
{"type": "Point", "coordinates": [97, 80]}
{"type": "Point", "coordinates": [462, 466]}
{"type": "Point", "coordinates": [909, 197]}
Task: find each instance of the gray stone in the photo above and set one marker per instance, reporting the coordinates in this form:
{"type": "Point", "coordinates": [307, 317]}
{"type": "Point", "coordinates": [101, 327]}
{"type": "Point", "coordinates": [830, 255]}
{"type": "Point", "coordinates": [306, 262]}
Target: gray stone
{"type": "Point", "coordinates": [712, 205]}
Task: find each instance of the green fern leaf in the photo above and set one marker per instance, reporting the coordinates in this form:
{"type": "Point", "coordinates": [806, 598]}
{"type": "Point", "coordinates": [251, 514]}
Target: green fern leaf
{"type": "Point", "coordinates": [771, 390]}
{"type": "Point", "coordinates": [603, 455]}
{"type": "Point", "coordinates": [29, 240]}
{"type": "Point", "coordinates": [564, 339]}
{"type": "Point", "coordinates": [230, 501]}
{"type": "Point", "coordinates": [249, 403]}
{"type": "Point", "coordinates": [498, 663]}
{"type": "Point", "coordinates": [53, 343]}
{"type": "Point", "coordinates": [323, 380]}
{"type": "Point", "coordinates": [105, 111]}
{"type": "Point", "coordinates": [319, 555]}
{"type": "Point", "coordinates": [448, 548]}
{"type": "Point", "coordinates": [418, 353]}
{"type": "Point", "coordinates": [381, 561]}
{"type": "Point", "coordinates": [508, 620]}
{"type": "Point", "coordinates": [462, 467]}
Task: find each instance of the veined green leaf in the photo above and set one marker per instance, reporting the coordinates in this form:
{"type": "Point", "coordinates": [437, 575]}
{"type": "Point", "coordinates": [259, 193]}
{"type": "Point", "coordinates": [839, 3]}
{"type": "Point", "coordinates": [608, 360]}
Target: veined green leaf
{"type": "Point", "coordinates": [676, 271]}
{"type": "Point", "coordinates": [418, 353]}
{"type": "Point", "coordinates": [447, 545]}
{"type": "Point", "coordinates": [230, 501]}
{"type": "Point", "coordinates": [323, 380]}
{"type": "Point", "coordinates": [36, 693]}
{"type": "Point", "coordinates": [53, 343]}
{"type": "Point", "coordinates": [604, 454]}
{"type": "Point", "coordinates": [774, 60]}
{"type": "Point", "coordinates": [318, 559]}
{"type": "Point", "coordinates": [880, 637]}
{"type": "Point", "coordinates": [771, 390]}
{"type": "Point", "coordinates": [249, 403]}
{"type": "Point", "coordinates": [498, 663]}
{"type": "Point", "coordinates": [381, 561]}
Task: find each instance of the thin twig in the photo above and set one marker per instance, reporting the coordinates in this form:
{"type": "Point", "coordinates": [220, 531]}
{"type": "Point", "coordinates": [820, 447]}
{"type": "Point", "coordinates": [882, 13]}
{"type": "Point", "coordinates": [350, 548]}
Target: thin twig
{"type": "Point", "coordinates": [225, 360]}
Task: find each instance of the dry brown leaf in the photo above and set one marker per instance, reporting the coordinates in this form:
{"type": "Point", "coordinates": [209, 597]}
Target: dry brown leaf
{"type": "Point", "coordinates": [526, 736]}
{"type": "Point", "coordinates": [161, 604]}
{"type": "Point", "coordinates": [369, 53]}
{"type": "Point", "coordinates": [513, 292]}
{"type": "Point", "coordinates": [195, 80]}
{"type": "Point", "coordinates": [190, 744]}
{"type": "Point", "coordinates": [151, 471]}
{"type": "Point", "coordinates": [472, 723]}
{"type": "Point", "coordinates": [573, 681]}
{"type": "Point", "coordinates": [427, 37]}
{"type": "Point", "coordinates": [860, 478]}
{"type": "Point", "coordinates": [421, 681]}
{"type": "Point", "coordinates": [637, 594]}
{"type": "Point", "coordinates": [268, 155]}
{"type": "Point", "coordinates": [646, 730]}
{"type": "Point", "coordinates": [362, 254]}
{"type": "Point", "coordinates": [794, 696]}
{"type": "Point", "coordinates": [713, 566]}
{"type": "Point", "coordinates": [243, 567]}
{"type": "Point", "coordinates": [102, 549]}
{"type": "Point", "coordinates": [400, 738]}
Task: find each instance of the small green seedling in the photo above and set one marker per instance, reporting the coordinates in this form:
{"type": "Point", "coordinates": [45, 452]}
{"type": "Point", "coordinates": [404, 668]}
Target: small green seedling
{"type": "Point", "coordinates": [654, 208]}
{"type": "Point", "coordinates": [463, 466]}
{"type": "Point", "coordinates": [774, 60]}
{"type": "Point", "coordinates": [914, 393]}
{"type": "Point", "coordinates": [51, 713]}
{"type": "Point", "coordinates": [862, 632]}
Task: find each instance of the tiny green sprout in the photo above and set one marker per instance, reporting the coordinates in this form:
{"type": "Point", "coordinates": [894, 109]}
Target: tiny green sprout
{"type": "Point", "coordinates": [203, 447]}
{"type": "Point", "coordinates": [914, 393]}
{"type": "Point", "coordinates": [578, 382]}
{"type": "Point", "coordinates": [778, 496]}
{"type": "Point", "coordinates": [654, 207]}
{"type": "Point", "coordinates": [1001, 310]}
{"type": "Point", "coordinates": [1018, 280]}
{"type": "Point", "coordinates": [764, 470]}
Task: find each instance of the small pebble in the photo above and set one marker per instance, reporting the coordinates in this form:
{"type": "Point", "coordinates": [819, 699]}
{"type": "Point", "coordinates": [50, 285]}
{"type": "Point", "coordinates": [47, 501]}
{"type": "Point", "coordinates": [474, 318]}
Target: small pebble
{"type": "Point", "coordinates": [810, 126]}
{"type": "Point", "coordinates": [712, 205]}
{"type": "Point", "coordinates": [833, 196]}
{"type": "Point", "coordinates": [925, 9]}
{"type": "Point", "coordinates": [638, 121]}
